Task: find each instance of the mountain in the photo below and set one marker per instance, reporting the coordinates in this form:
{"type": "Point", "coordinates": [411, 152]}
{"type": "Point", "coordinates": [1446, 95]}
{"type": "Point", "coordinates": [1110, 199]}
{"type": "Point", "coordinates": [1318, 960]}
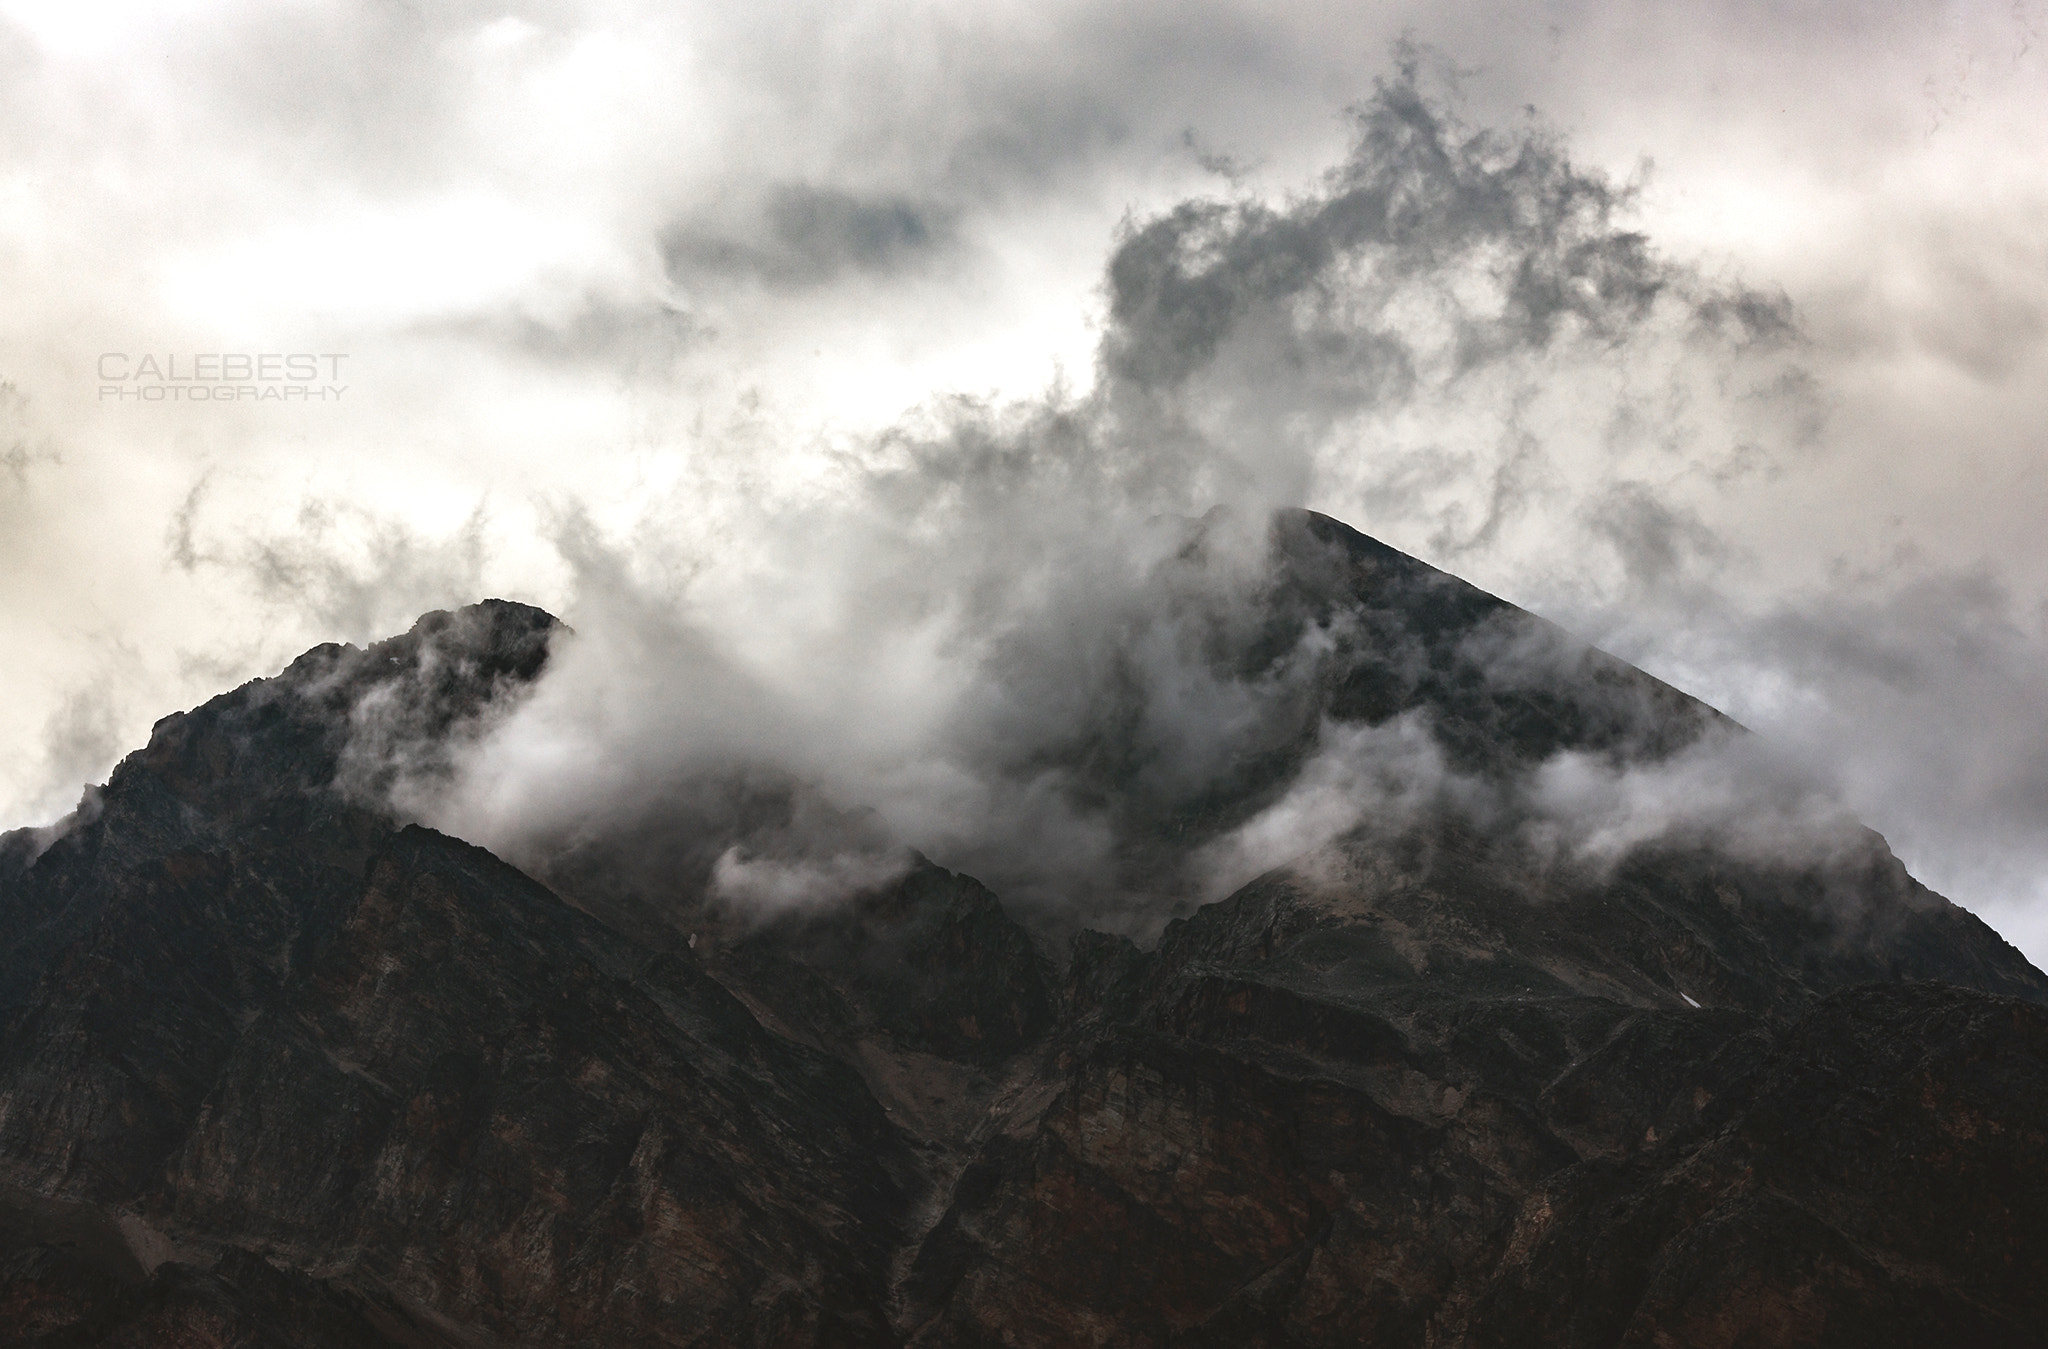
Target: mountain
{"type": "Point", "coordinates": [278, 1068]}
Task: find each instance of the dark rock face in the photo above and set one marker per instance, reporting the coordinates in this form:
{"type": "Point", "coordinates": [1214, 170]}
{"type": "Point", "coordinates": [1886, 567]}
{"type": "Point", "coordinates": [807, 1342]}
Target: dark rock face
{"type": "Point", "coordinates": [387, 1063]}
{"type": "Point", "coordinates": [929, 964]}
{"type": "Point", "coordinates": [1315, 1128]}
{"type": "Point", "coordinates": [277, 1070]}
{"type": "Point", "coordinates": [1880, 1178]}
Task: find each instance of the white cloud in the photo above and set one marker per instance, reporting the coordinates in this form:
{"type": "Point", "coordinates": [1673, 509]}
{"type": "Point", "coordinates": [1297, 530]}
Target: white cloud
{"type": "Point", "coordinates": [212, 176]}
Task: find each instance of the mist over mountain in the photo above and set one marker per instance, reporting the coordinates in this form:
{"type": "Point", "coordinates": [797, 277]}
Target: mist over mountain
{"type": "Point", "coordinates": [1009, 871]}
{"type": "Point", "coordinates": [1517, 1035]}
{"type": "Point", "coordinates": [1504, 341]}
{"type": "Point", "coordinates": [1042, 640]}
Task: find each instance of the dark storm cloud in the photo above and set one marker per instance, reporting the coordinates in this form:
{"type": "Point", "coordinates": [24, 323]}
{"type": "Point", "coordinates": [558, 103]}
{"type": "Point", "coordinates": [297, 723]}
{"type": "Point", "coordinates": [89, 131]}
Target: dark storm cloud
{"type": "Point", "coordinates": [1750, 316]}
{"type": "Point", "coordinates": [1423, 201]}
{"type": "Point", "coordinates": [1478, 273]}
{"type": "Point", "coordinates": [1227, 167]}
{"type": "Point", "coordinates": [810, 236]}
{"type": "Point", "coordinates": [636, 338]}
{"type": "Point", "coordinates": [1659, 542]}
{"type": "Point", "coordinates": [1419, 199]}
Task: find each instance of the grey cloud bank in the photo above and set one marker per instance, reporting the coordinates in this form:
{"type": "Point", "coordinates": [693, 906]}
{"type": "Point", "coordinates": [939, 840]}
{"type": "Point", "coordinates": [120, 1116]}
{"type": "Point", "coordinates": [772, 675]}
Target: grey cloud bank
{"type": "Point", "coordinates": [1044, 642]}
{"type": "Point", "coordinates": [638, 300]}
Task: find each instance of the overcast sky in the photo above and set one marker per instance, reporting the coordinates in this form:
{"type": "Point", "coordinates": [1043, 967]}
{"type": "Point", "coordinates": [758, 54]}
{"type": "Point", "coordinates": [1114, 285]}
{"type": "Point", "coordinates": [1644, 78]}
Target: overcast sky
{"type": "Point", "coordinates": [606, 280]}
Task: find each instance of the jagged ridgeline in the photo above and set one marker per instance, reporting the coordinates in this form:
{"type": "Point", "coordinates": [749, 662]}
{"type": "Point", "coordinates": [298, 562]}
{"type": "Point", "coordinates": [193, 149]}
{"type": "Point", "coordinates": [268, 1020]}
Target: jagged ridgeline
{"type": "Point", "coordinates": [280, 1068]}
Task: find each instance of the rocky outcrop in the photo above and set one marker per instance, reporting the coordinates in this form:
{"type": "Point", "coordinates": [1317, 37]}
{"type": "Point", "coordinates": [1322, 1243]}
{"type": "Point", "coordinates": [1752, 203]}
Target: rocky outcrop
{"type": "Point", "coordinates": [277, 1069]}
{"type": "Point", "coordinates": [1394, 1125]}
{"type": "Point", "coordinates": [1879, 1178]}
{"type": "Point", "coordinates": [382, 1060]}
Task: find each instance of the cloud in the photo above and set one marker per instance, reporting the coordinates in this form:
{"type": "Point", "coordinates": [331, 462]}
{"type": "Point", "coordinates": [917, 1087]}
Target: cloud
{"type": "Point", "coordinates": [768, 887]}
{"type": "Point", "coordinates": [1376, 781]}
{"type": "Point", "coordinates": [642, 338]}
{"type": "Point", "coordinates": [1731, 793]}
{"type": "Point", "coordinates": [1659, 542]}
{"type": "Point", "coordinates": [1919, 691]}
{"type": "Point", "coordinates": [808, 236]}
{"type": "Point", "coordinates": [1616, 426]}
{"type": "Point", "coordinates": [80, 742]}
{"type": "Point", "coordinates": [1045, 641]}
{"type": "Point", "coordinates": [342, 567]}
{"type": "Point", "coordinates": [1576, 813]}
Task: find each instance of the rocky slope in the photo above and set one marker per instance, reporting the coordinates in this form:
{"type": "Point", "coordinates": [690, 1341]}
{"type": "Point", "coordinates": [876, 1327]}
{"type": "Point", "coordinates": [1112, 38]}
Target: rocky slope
{"type": "Point", "coordinates": [276, 1069]}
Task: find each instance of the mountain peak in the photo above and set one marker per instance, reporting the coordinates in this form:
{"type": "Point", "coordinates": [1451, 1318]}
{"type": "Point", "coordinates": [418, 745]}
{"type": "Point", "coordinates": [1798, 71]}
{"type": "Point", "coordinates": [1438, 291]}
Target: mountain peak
{"type": "Point", "coordinates": [277, 1067]}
